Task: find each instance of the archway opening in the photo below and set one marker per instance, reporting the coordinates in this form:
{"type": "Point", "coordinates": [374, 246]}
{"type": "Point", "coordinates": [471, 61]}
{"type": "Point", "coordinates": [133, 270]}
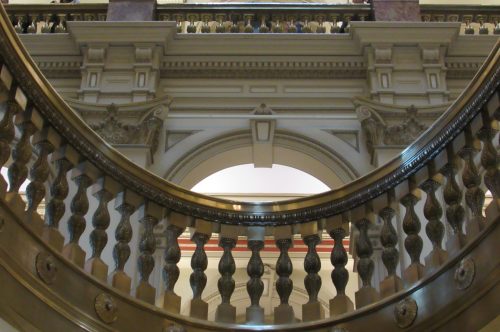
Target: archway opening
{"type": "Point", "coordinates": [248, 183]}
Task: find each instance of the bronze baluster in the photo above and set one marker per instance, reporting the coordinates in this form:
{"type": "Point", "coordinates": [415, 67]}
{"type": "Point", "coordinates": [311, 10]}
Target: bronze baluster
{"type": "Point", "coordinates": [104, 190]}
{"type": "Point", "coordinates": [126, 203]}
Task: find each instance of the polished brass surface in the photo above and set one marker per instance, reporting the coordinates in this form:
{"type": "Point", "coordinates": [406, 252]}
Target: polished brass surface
{"type": "Point", "coordinates": [148, 185]}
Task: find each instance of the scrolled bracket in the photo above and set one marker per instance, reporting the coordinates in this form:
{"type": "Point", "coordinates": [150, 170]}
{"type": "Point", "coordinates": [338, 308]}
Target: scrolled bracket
{"type": "Point", "coordinates": [465, 273]}
{"type": "Point", "coordinates": [106, 308]}
{"type": "Point", "coordinates": [46, 267]}
{"type": "Point", "coordinates": [405, 312]}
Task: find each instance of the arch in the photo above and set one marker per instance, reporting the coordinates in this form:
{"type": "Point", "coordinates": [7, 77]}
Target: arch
{"type": "Point", "coordinates": [290, 149]}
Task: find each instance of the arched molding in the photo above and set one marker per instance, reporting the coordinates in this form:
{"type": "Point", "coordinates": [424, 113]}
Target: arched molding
{"type": "Point", "coordinates": [290, 149]}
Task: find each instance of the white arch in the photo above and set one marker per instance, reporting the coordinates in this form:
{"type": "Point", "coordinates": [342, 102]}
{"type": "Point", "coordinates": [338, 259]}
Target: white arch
{"type": "Point", "coordinates": [236, 149]}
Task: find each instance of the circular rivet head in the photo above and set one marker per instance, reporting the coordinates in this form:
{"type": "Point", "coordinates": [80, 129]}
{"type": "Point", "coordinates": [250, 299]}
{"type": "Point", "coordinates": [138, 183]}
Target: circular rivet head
{"type": "Point", "coordinates": [46, 267]}
{"type": "Point", "coordinates": [465, 273]}
{"type": "Point", "coordinates": [106, 309]}
{"type": "Point", "coordinates": [405, 312]}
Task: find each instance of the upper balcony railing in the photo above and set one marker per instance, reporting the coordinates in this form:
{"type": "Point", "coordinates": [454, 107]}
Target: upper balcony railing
{"type": "Point", "coordinates": [251, 18]}
{"type": "Point", "coordinates": [40, 135]}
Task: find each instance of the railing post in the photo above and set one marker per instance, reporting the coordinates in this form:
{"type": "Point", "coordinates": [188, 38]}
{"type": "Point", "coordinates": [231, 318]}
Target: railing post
{"type": "Point", "coordinates": [65, 158]}
{"type": "Point", "coordinates": [255, 270]}
{"type": "Point", "coordinates": [489, 154]}
{"type": "Point", "coordinates": [149, 214]}
{"type": "Point", "coordinates": [474, 195]}
{"type": "Point", "coordinates": [83, 175]}
{"type": "Point", "coordinates": [7, 130]}
{"type": "Point", "coordinates": [28, 122]}
{"type": "Point", "coordinates": [312, 310]}
{"type": "Point", "coordinates": [363, 217]}
{"type": "Point", "coordinates": [338, 228]}
{"type": "Point", "coordinates": [411, 226]}
{"type": "Point", "coordinates": [176, 224]}
{"type": "Point", "coordinates": [387, 207]}
{"type": "Point", "coordinates": [199, 263]}
{"type": "Point", "coordinates": [104, 190]}
{"type": "Point", "coordinates": [433, 213]}
{"type": "Point", "coordinates": [45, 142]}
{"type": "Point", "coordinates": [225, 311]}
{"type": "Point", "coordinates": [453, 198]}
{"type": "Point", "coordinates": [284, 313]}
{"type": "Point", "coordinates": [126, 203]}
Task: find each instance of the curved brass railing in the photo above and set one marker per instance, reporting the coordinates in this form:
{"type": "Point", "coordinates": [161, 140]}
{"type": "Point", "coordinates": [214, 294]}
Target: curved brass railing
{"type": "Point", "coordinates": [66, 122]}
{"type": "Point", "coordinates": [48, 129]}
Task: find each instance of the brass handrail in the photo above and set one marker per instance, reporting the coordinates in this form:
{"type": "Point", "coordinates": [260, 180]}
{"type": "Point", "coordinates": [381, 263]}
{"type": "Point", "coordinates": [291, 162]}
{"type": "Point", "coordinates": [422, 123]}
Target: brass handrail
{"type": "Point", "coordinates": [334, 202]}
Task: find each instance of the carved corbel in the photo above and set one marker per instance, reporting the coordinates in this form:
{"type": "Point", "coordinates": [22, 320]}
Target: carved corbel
{"type": "Point", "coordinates": [373, 127]}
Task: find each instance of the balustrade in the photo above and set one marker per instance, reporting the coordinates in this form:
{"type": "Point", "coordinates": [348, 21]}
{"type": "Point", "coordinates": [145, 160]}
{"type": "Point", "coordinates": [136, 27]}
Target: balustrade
{"type": "Point", "coordinates": [307, 18]}
{"type": "Point", "coordinates": [44, 147]}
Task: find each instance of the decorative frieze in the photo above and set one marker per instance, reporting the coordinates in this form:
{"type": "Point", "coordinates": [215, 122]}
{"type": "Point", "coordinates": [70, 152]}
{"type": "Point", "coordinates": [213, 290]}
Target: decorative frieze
{"type": "Point", "coordinates": [354, 68]}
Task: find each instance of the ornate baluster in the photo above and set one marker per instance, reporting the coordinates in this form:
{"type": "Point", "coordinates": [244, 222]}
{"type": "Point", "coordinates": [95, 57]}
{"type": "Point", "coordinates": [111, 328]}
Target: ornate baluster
{"type": "Point", "coordinates": [64, 158]}
{"type": "Point", "coordinates": [176, 225]}
{"type": "Point", "coordinates": [474, 195]}
{"type": "Point", "coordinates": [19, 27]}
{"type": "Point", "coordinates": [32, 19]}
{"type": "Point", "coordinates": [453, 198]}
{"type": "Point", "coordinates": [61, 26]}
{"type": "Point", "coordinates": [413, 242]}
{"type": "Point", "coordinates": [150, 214]}
{"type": "Point", "coordinates": [126, 203]}
{"type": "Point", "coordinates": [255, 270]}
{"type": "Point", "coordinates": [46, 23]}
{"type": "Point", "coordinates": [199, 263]}
{"type": "Point", "coordinates": [45, 142]}
{"type": "Point", "coordinates": [225, 311]}
{"type": "Point", "coordinates": [489, 155]}
{"type": "Point", "coordinates": [390, 255]}
{"type": "Point", "coordinates": [338, 227]}
{"type": "Point", "coordinates": [284, 285]}
{"type": "Point", "coordinates": [28, 123]}
{"type": "Point", "coordinates": [104, 190]}
{"type": "Point", "coordinates": [364, 217]}
{"type": "Point", "coordinates": [83, 175]}
{"type": "Point", "coordinates": [434, 228]}
{"type": "Point", "coordinates": [7, 130]}
{"type": "Point", "coordinates": [312, 310]}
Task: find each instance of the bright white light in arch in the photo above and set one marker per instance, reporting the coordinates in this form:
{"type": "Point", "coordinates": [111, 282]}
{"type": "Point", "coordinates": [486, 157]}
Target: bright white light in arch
{"type": "Point", "coordinates": [247, 179]}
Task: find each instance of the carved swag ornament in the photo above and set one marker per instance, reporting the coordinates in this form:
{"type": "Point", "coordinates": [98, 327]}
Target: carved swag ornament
{"type": "Point", "coordinates": [379, 133]}
{"type": "Point", "coordinates": [377, 122]}
{"type": "Point", "coordinates": [114, 131]}
{"type": "Point", "coordinates": [126, 124]}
